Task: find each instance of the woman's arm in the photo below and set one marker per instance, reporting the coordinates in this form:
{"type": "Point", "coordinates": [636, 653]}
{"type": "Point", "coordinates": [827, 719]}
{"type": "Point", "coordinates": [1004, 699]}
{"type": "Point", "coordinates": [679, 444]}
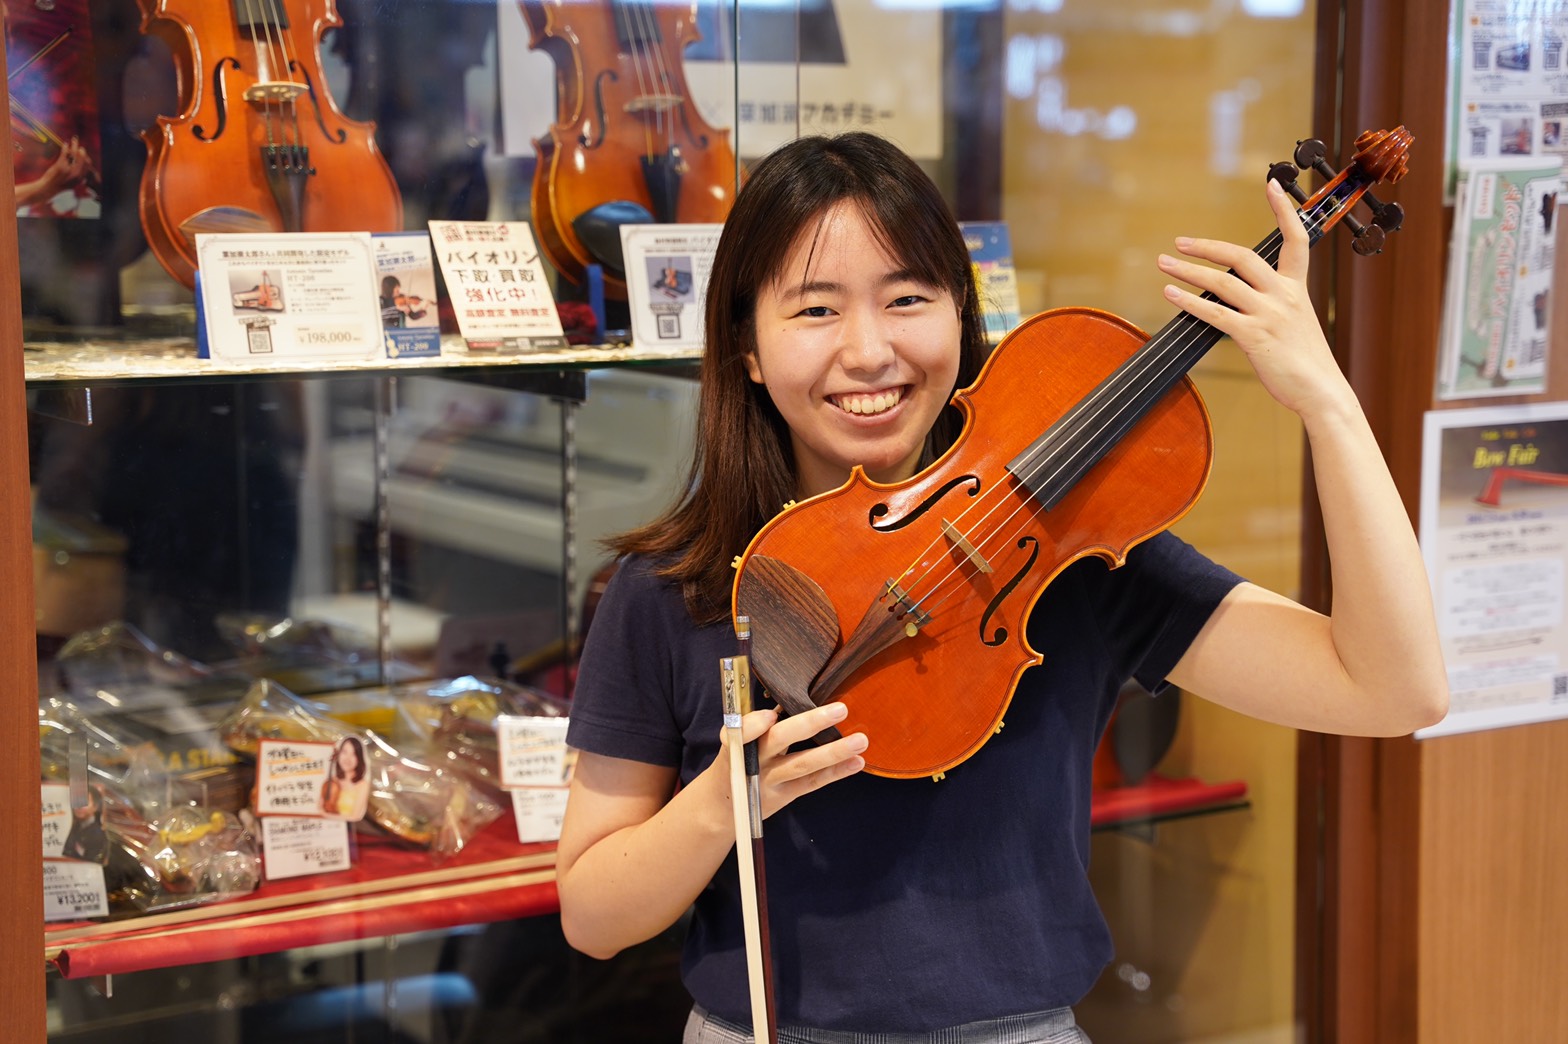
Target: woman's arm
{"type": "Point", "coordinates": [632, 857]}
{"type": "Point", "coordinates": [1374, 666]}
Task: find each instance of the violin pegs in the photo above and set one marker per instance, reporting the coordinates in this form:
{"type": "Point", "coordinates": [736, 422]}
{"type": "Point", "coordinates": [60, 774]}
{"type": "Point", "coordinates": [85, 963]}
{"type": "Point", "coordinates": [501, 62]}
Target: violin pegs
{"type": "Point", "coordinates": [1309, 153]}
{"type": "Point", "coordinates": [1387, 216]}
{"type": "Point", "coordinates": [1285, 174]}
{"type": "Point", "coordinates": [1368, 240]}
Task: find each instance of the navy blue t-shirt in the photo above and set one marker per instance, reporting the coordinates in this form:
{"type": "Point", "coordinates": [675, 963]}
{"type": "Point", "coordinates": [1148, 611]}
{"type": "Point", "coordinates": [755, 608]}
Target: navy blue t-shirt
{"type": "Point", "coordinates": [901, 905]}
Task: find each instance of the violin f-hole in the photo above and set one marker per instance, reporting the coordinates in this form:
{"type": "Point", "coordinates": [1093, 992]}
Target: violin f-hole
{"type": "Point", "coordinates": [1001, 596]}
{"type": "Point", "coordinates": [310, 88]}
{"type": "Point", "coordinates": [880, 510]}
{"type": "Point", "coordinates": [221, 93]}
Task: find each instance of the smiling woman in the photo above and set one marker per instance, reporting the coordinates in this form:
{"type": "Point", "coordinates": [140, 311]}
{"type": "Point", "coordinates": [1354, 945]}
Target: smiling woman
{"type": "Point", "coordinates": [841, 315]}
{"type": "Point", "coordinates": [859, 355]}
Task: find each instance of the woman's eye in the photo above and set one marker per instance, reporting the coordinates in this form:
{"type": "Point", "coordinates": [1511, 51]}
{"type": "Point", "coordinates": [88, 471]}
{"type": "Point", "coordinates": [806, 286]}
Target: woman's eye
{"type": "Point", "coordinates": [816, 312]}
{"type": "Point", "coordinates": [908, 300]}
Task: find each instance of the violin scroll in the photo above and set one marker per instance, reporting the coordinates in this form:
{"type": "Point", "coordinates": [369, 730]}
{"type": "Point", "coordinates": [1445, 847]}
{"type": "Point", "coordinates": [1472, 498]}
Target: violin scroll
{"type": "Point", "coordinates": [1380, 156]}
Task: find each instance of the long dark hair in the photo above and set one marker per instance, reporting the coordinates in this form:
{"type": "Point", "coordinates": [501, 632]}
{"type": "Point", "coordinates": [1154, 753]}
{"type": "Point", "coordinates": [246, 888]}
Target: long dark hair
{"type": "Point", "coordinates": [743, 469]}
{"type": "Point", "coordinates": [353, 743]}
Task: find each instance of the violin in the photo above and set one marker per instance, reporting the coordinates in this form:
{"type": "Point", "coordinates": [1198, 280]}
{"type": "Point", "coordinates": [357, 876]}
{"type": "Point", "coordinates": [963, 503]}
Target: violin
{"type": "Point", "coordinates": [628, 145]}
{"type": "Point", "coordinates": [1082, 436]}
{"type": "Point", "coordinates": [259, 144]}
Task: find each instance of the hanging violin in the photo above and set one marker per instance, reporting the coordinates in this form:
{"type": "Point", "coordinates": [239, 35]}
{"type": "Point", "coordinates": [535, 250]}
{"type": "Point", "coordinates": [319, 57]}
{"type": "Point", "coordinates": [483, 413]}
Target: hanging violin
{"type": "Point", "coordinates": [934, 577]}
{"type": "Point", "coordinates": [259, 145]}
{"type": "Point", "coordinates": [628, 145]}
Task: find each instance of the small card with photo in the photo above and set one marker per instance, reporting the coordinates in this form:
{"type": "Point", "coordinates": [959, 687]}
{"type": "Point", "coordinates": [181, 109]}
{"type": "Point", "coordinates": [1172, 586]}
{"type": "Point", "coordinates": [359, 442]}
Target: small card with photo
{"type": "Point", "coordinates": [312, 778]}
{"type": "Point", "coordinates": [667, 270]}
{"type": "Point", "coordinates": [497, 285]}
{"type": "Point", "coordinates": [532, 751]}
{"type": "Point", "coordinates": [406, 287]}
{"type": "Point", "coordinates": [297, 296]}
{"type": "Point", "coordinates": [290, 775]}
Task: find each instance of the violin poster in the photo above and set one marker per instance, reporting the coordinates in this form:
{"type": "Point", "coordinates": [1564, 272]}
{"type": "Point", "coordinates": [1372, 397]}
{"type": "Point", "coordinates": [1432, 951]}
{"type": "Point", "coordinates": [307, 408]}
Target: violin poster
{"type": "Point", "coordinates": [1494, 533]}
{"type": "Point", "coordinates": [406, 282]}
{"type": "Point", "coordinates": [54, 107]}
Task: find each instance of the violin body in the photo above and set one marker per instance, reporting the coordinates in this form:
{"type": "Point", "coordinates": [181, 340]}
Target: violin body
{"type": "Point", "coordinates": [628, 144]}
{"type": "Point", "coordinates": [909, 602]}
{"type": "Point", "coordinates": [259, 144]}
{"type": "Point", "coordinates": [977, 618]}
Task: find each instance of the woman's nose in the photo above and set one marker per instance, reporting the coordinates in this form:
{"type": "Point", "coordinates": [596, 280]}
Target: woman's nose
{"type": "Point", "coordinates": [865, 345]}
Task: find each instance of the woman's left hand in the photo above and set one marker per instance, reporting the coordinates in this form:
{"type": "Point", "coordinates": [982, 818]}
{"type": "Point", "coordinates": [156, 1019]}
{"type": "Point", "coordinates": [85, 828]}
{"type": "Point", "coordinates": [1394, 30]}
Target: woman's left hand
{"type": "Point", "coordinates": [1270, 315]}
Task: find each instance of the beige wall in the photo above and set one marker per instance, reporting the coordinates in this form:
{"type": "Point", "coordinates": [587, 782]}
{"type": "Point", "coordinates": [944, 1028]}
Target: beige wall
{"type": "Point", "coordinates": [1205, 909]}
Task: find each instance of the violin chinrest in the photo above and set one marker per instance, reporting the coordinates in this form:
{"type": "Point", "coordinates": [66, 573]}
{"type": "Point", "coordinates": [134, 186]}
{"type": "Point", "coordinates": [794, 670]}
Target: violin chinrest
{"type": "Point", "coordinates": [599, 229]}
{"type": "Point", "coordinates": [223, 219]}
{"type": "Point", "coordinates": [795, 631]}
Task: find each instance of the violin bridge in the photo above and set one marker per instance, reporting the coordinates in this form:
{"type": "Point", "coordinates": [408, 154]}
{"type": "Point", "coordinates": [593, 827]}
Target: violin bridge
{"type": "Point", "coordinates": [970, 551]}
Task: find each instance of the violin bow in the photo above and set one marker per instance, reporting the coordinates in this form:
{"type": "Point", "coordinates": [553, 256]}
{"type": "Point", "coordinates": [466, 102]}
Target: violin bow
{"type": "Point", "coordinates": [746, 801]}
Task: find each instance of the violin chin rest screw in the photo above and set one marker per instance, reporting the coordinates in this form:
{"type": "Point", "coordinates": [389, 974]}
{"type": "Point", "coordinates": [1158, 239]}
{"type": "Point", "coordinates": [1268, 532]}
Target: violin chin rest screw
{"type": "Point", "coordinates": [788, 504]}
{"type": "Point", "coordinates": [939, 777]}
{"type": "Point", "coordinates": [999, 726]}
{"type": "Point", "coordinates": [735, 562]}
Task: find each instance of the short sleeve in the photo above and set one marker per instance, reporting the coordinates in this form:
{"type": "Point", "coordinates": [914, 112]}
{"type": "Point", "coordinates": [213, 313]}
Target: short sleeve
{"type": "Point", "coordinates": [1152, 607]}
{"type": "Point", "coordinates": [623, 701]}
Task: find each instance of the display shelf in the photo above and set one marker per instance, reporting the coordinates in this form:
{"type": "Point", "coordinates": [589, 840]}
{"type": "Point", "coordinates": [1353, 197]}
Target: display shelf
{"type": "Point", "coordinates": [390, 890]}
{"type": "Point", "coordinates": [1159, 798]}
{"type": "Point", "coordinates": [47, 363]}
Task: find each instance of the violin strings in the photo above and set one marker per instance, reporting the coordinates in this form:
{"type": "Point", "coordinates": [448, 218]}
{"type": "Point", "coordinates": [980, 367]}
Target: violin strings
{"type": "Point", "coordinates": [1167, 352]}
{"type": "Point", "coordinates": [269, 18]}
{"type": "Point", "coordinates": [639, 28]}
{"type": "Point", "coordinates": [1160, 356]}
{"type": "Point", "coordinates": [998, 497]}
{"type": "Point", "coordinates": [661, 74]}
{"type": "Point", "coordinates": [291, 103]}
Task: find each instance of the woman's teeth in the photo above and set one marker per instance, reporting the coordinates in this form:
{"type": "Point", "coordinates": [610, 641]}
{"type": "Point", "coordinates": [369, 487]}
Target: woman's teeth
{"type": "Point", "coordinates": [864, 404]}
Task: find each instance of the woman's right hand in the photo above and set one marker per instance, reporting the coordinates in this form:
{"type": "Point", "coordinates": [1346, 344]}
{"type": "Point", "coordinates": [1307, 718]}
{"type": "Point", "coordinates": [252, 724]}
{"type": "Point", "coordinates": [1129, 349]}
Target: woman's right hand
{"type": "Point", "coordinates": [785, 775]}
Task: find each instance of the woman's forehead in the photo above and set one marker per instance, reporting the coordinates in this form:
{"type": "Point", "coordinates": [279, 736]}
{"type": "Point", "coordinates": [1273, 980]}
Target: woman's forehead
{"type": "Point", "coordinates": [842, 228]}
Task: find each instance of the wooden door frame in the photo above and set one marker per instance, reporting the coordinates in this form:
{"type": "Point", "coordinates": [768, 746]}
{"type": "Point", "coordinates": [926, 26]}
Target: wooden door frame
{"type": "Point", "coordinates": [21, 864]}
{"type": "Point", "coordinates": [1359, 799]}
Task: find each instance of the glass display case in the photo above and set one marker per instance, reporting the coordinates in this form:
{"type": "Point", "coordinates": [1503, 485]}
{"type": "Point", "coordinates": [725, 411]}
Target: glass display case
{"type": "Point", "coordinates": [402, 549]}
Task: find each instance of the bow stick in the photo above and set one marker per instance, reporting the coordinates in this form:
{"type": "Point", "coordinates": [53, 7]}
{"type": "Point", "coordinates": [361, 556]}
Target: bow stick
{"type": "Point", "coordinates": [746, 801]}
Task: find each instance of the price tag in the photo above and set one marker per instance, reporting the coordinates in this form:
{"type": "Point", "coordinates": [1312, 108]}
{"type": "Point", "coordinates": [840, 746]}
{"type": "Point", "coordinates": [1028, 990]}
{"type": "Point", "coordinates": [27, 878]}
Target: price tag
{"type": "Point", "coordinates": [290, 775]}
{"type": "Point", "coordinates": [667, 269]}
{"type": "Point", "coordinates": [298, 295]}
{"type": "Point", "coordinates": [293, 846]}
{"type": "Point", "coordinates": [74, 890]}
{"type": "Point", "coordinates": [57, 818]}
{"type": "Point", "coordinates": [539, 811]}
{"type": "Point", "coordinates": [532, 751]}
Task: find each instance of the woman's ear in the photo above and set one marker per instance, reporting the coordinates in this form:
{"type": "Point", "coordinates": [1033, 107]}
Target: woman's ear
{"type": "Point", "coordinates": [753, 368]}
